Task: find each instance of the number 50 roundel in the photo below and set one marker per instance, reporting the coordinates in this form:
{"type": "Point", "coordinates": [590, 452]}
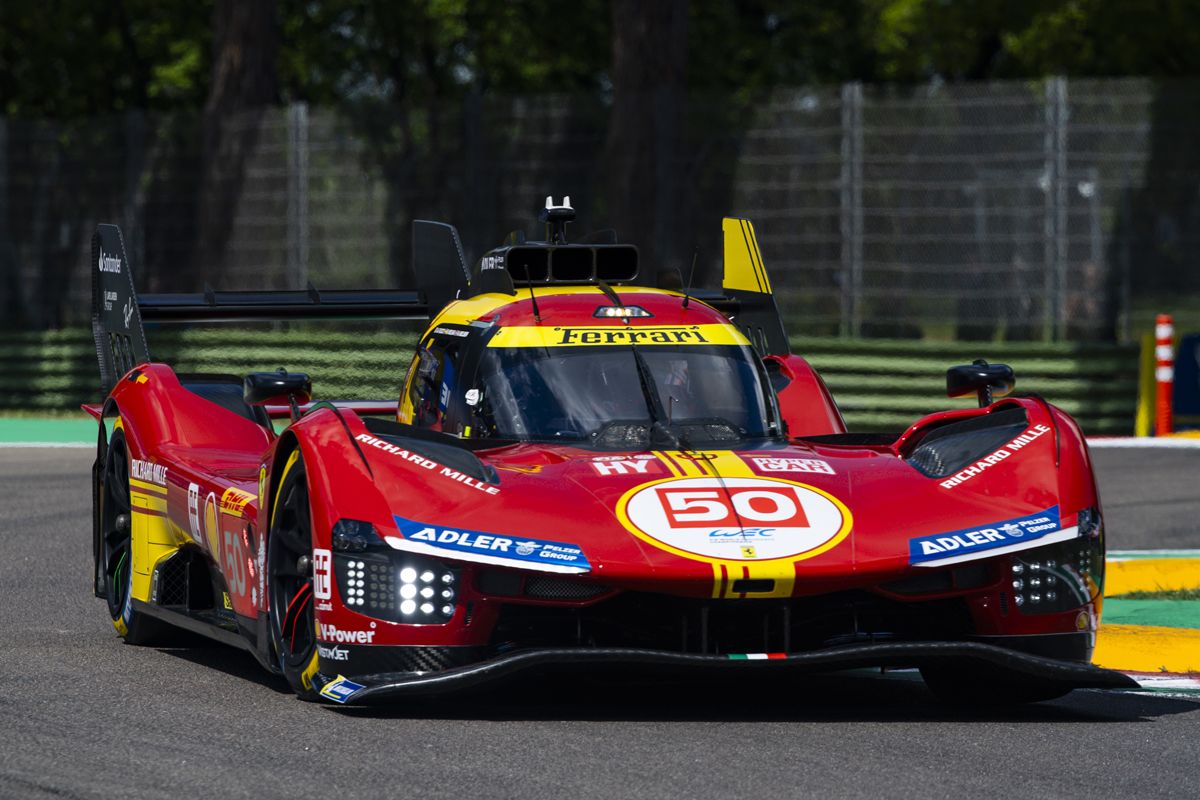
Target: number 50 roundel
{"type": "Point", "coordinates": [735, 519]}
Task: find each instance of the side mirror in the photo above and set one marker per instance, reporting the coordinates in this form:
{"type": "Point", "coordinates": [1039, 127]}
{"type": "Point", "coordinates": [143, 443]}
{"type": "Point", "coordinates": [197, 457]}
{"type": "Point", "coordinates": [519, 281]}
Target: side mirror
{"type": "Point", "coordinates": [981, 378]}
{"type": "Point", "coordinates": [277, 388]}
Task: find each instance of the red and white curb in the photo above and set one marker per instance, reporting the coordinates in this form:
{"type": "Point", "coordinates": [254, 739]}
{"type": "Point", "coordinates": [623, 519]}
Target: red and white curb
{"type": "Point", "coordinates": [1166, 683]}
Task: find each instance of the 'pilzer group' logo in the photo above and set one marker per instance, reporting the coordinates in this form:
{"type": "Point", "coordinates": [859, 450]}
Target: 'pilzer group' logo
{"type": "Point", "coordinates": [109, 264]}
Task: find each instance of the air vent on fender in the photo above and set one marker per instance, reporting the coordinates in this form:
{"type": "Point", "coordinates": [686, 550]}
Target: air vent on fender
{"type": "Point", "coordinates": [948, 449]}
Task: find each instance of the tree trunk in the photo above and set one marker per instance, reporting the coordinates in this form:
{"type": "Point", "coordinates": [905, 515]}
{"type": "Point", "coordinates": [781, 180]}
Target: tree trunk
{"type": "Point", "coordinates": [649, 59]}
{"type": "Point", "coordinates": [244, 84]}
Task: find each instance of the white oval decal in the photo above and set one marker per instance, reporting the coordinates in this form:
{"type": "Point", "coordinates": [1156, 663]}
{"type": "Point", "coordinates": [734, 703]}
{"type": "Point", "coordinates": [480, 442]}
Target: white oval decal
{"type": "Point", "coordinates": [740, 519]}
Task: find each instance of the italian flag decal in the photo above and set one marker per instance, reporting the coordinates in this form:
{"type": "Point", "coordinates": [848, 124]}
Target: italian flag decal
{"type": "Point", "coordinates": [755, 656]}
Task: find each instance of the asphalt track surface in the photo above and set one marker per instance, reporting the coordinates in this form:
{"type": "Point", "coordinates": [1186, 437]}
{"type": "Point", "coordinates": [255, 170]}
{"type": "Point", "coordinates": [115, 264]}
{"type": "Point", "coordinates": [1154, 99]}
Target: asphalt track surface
{"type": "Point", "coordinates": [83, 715]}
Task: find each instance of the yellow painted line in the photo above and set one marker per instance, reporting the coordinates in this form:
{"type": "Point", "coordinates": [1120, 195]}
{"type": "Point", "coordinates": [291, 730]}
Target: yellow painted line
{"type": "Point", "coordinates": [1146, 648]}
{"type": "Point", "coordinates": [1151, 575]}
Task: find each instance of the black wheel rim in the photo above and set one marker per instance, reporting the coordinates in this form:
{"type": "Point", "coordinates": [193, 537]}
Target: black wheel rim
{"type": "Point", "coordinates": [290, 573]}
{"type": "Point", "coordinates": [115, 548]}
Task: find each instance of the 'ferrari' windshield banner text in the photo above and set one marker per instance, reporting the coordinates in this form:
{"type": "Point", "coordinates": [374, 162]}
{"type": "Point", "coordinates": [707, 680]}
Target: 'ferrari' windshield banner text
{"type": "Point", "coordinates": [572, 336]}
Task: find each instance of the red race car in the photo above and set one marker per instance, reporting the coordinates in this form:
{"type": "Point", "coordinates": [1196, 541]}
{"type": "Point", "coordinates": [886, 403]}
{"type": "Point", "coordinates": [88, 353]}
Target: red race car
{"type": "Point", "coordinates": [582, 469]}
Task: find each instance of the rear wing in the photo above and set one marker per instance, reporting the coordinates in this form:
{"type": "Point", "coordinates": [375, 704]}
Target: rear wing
{"type": "Point", "coordinates": [745, 295]}
{"type": "Point", "coordinates": [118, 311]}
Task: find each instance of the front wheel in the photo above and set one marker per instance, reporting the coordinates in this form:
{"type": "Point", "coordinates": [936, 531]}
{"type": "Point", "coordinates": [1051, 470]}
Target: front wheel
{"type": "Point", "coordinates": [289, 580]}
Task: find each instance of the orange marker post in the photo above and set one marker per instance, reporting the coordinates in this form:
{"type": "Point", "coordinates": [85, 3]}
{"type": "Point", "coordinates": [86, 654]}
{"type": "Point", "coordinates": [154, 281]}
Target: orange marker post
{"type": "Point", "coordinates": [1164, 373]}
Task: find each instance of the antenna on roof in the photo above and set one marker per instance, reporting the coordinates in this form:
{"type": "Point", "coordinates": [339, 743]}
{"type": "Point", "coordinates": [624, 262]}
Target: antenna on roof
{"type": "Point", "coordinates": [532, 296]}
{"type": "Point", "coordinates": [691, 277]}
{"type": "Point", "coordinates": [556, 219]}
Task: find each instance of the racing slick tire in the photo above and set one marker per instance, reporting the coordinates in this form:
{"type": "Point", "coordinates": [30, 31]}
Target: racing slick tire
{"type": "Point", "coordinates": [115, 562]}
{"type": "Point", "coordinates": [966, 686]}
{"type": "Point", "coordinates": [289, 581]}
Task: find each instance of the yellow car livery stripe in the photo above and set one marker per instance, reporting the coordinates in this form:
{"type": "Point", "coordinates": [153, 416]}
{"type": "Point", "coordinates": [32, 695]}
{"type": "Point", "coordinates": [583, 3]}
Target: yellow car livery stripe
{"type": "Point", "coordinates": [147, 487]}
{"type": "Point", "coordinates": [744, 270]}
{"type": "Point", "coordinates": [783, 573]}
{"type": "Point", "coordinates": [607, 335]}
{"type": "Point", "coordinates": [148, 502]}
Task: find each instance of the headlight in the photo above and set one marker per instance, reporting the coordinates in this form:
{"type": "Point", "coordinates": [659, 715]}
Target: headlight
{"type": "Point", "coordinates": [1062, 576]}
{"type": "Point", "coordinates": [377, 581]}
{"type": "Point", "coordinates": [948, 449]}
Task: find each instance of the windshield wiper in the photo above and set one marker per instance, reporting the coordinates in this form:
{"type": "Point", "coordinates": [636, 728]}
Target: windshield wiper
{"type": "Point", "coordinates": [646, 381]}
{"type": "Point", "coordinates": [653, 403]}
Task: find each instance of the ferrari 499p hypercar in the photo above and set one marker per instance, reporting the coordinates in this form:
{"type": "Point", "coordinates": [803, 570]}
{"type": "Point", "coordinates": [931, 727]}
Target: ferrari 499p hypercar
{"type": "Point", "coordinates": [587, 463]}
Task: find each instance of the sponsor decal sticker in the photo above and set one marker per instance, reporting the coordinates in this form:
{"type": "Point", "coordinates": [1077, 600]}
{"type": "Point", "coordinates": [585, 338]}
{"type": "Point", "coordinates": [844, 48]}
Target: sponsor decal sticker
{"type": "Point", "coordinates": [488, 548]}
{"type": "Point", "coordinates": [964, 475]}
{"type": "Point", "coordinates": [322, 574]}
{"type": "Point", "coordinates": [989, 537]}
{"type": "Point", "coordinates": [810, 465]}
{"type": "Point", "coordinates": [211, 530]}
{"type": "Point", "coordinates": [233, 501]}
{"type": "Point", "coordinates": [632, 465]}
{"type": "Point", "coordinates": [149, 472]}
{"type": "Point", "coordinates": [340, 689]}
{"type": "Point", "coordinates": [193, 501]}
{"type": "Point", "coordinates": [451, 332]}
{"type": "Point", "coordinates": [425, 463]}
{"type": "Point", "coordinates": [333, 653]}
{"type": "Point", "coordinates": [738, 519]}
{"type": "Point", "coordinates": [332, 633]}
{"type": "Point", "coordinates": [109, 264]}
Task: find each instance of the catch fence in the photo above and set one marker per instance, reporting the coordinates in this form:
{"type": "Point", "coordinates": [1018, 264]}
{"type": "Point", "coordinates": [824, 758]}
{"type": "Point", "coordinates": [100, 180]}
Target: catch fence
{"type": "Point", "coordinates": [1024, 211]}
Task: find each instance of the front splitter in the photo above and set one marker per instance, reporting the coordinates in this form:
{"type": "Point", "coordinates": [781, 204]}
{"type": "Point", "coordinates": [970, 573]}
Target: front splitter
{"type": "Point", "coordinates": [1068, 674]}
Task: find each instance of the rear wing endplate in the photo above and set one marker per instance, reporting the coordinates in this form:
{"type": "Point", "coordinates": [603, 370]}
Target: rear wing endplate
{"type": "Point", "coordinates": [745, 295]}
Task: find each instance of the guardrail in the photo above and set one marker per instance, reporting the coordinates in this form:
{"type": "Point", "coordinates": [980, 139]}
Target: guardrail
{"type": "Point", "coordinates": [879, 384]}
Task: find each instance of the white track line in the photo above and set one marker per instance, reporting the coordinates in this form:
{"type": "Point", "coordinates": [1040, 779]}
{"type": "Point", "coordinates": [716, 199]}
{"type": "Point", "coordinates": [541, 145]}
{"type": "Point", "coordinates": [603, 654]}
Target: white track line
{"type": "Point", "coordinates": [48, 445]}
{"type": "Point", "coordinates": [1138, 555]}
{"type": "Point", "coordinates": [1181, 442]}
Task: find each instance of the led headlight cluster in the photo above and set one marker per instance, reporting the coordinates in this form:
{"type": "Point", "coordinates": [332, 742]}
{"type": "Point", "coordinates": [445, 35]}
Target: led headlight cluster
{"type": "Point", "coordinates": [1036, 582]}
{"type": "Point", "coordinates": [1062, 576]}
{"type": "Point", "coordinates": [375, 580]}
{"type": "Point", "coordinates": [427, 593]}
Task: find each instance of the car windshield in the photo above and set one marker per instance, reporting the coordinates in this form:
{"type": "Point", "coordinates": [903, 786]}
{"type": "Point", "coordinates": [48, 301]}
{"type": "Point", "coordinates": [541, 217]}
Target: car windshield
{"type": "Point", "coordinates": [705, 393]}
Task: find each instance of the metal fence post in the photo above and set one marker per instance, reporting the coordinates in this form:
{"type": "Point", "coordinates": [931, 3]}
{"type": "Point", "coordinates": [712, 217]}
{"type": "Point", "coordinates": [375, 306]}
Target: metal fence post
{"type": "Point", "coordinates": [1061, 205]}
{"type": "Point", "coordinates": [851, 209]}
{"type": "Point", "coordinates": [297, 199]}
{"type": "Point", "coordinates": [1054, 184]}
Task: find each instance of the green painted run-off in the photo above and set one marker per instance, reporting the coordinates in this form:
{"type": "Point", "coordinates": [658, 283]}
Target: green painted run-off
{"type": "Point", "coordinates": [20, 430]}
{"type": "Point", "coordinates": [1162, 613]}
